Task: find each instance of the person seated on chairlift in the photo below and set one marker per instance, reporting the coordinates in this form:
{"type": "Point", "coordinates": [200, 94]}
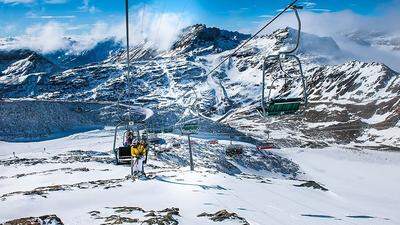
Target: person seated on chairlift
{"type": "Point", "coordinates": [129, 138]}
{"type": "Point", "coordinates": [139, 154]}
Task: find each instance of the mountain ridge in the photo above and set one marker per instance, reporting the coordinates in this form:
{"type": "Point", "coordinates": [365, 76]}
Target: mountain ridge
{"type": "Point", "coordinates": [175, 79]}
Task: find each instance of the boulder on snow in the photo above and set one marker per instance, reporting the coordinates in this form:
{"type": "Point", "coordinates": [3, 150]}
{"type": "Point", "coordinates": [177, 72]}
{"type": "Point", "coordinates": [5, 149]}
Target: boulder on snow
{"type": "Point", "coordinates": [42, 220]}
{"type": "Point", "coordinates": [311, 184]}
{"type": "Point", "coordinates": [223, 215]}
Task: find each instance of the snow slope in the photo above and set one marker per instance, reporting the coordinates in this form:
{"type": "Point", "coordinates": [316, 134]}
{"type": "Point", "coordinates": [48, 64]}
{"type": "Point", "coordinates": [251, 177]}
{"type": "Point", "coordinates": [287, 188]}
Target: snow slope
{"type": "Point", "coordinates": [37, 120]}
{"type": "Point", "coordinates": [83, 185]}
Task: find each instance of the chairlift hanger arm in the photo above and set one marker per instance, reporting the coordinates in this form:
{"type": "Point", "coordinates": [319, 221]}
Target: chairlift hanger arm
{"type": "Point", "coordinates": [295, 8]}
{"type": "Point", "coordinates": [303, 80]}
{"type": "Point", "coordinates": [285, 53]}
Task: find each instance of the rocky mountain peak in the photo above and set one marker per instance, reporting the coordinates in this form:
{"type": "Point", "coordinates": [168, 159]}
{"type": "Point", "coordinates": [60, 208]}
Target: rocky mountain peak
{"type": "Point", "coordinates": [23, 62]}
{"type": "Point", "coordinates": [200, 39]}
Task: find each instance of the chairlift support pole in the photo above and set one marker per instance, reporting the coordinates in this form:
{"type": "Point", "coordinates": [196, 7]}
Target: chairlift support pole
{"type": "Point", "coordinates": [115, 140]}
{"type": "Point", "coordinates": [128, 71]}
{"type": "Point", "coordinates": [190, 154]}
{"type": "Point", "coordinates": [127, 38]}
{"type": "Point", "coordinates": [123, 120]}
{"type": "Point", "coordinates": [189, 129]}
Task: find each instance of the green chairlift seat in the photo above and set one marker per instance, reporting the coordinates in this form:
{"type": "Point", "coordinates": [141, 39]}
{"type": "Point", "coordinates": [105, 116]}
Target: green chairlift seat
{"type": "Point", "coordinates": [286, 106]}
{"type": "Point", "coordinates": [283, 106]}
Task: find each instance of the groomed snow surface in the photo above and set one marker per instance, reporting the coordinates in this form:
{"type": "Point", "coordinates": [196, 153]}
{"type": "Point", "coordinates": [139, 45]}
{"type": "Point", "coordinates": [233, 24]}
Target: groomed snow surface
{"type": "Point", "coordinates": [363, 185]}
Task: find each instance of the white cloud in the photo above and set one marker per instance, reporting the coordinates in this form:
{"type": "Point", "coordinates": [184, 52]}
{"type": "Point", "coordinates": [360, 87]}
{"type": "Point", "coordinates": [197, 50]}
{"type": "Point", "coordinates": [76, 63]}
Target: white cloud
{"type": "Point", "coordinates": [339, 24]}
{"type": "Point", "coordinates": [86, 7]}
{"type": "Point", "coordinates": [55, 1]}
{"type": "Point", "coordinates": [17, 1]}
{"type": "Point", "coordinates": [308, 5]}
{"type": "Point", "coordinates": [332, 23]}
{"type": "Point", "coordinates": [9, 28]}
{"type": "Point", "coordinates": [47, 37]}
{"type": "Point", "coordinates": [158, 30]}
{"type": "Point", "coordinates": [51, 17]}
{"type": "Point", "coordinates": [266, 16]}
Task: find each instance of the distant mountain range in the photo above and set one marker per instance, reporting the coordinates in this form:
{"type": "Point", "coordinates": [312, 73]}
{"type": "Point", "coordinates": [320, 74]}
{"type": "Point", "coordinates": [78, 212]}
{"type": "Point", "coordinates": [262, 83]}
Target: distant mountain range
{"type": "Point", "coordinates": [352, 102]}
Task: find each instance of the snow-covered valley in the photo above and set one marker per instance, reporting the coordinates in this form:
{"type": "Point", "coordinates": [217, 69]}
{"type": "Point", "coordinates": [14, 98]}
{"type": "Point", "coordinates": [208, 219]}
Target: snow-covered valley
{"type": "Point", "coordinates": [74, 178]}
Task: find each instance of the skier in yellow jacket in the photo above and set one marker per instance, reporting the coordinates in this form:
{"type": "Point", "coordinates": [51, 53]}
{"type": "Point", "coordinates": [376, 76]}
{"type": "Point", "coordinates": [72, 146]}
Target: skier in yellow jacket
{"type": "Point", "coordinates": [139, 155]}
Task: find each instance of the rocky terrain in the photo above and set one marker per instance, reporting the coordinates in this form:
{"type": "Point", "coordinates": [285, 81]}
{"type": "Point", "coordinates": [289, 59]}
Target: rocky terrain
{"type": "Point", "coordinates": [351, 102]}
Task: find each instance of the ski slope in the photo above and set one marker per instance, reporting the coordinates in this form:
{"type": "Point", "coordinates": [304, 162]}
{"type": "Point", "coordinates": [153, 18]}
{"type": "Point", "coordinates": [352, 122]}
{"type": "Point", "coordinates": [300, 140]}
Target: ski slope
{"type": "Point", "coordinates": [83, 185]}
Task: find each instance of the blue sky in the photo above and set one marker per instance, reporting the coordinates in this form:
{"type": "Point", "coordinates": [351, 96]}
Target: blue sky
{"type": "Point", "coordinates": [16, 16]}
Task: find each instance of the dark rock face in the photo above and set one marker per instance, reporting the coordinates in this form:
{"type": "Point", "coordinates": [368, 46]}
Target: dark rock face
{"type": "Point", "coordinates": [224, 215]}
{"type": "Point", "coordinates": [23, 62]}
{"type": "Point", "coordinates": [312, 184]}
{"type": "Point", "coordinates": [217, 160]}
{"type": "Point", "coordinates": [123, 215]}
{"type": "Point", "coordinates": [201, 40]}
{"type": "Point", "coordinates": [362, 79]}
{"type": "Point", "coordinates": [42, 220]}
{"type": "Point", "coordinates": [55, 118]}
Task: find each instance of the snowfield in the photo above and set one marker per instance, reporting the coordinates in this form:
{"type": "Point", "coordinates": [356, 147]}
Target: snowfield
{"type": "Point", "coordinates": [75, 178]}
{"type": "Point", "coordinates": [53, 170]}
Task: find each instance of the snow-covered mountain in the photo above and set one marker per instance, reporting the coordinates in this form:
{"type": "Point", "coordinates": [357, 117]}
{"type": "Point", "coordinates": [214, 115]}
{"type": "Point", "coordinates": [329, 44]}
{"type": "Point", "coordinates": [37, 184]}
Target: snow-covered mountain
{"type": "Point", "coordinates": [70, 57]}
{"type": "Point", "coordinates": [351, 102]}
{"type": "Point", "coordinates": [22, 70]}
{"type": "Point", "coordinates": [382, 40]}
{"type": "Point", "coordinates": [202, 40]}
{"type": "Point", "coordinates": [23, 62]}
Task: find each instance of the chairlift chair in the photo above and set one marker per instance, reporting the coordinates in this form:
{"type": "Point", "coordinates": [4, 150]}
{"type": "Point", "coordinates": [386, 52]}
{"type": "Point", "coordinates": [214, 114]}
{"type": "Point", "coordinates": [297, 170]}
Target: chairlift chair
{"type": "Point", "coordinates": [284, 106]}
{"type": "Point", "coordinates": [154, 140]}
{"type": "Point", "coordinates": [213, 142]}
{"type": "Point", "coordinates": [267, 145]}
{"type": "Point", "coordinates": [233, 149]}
{"type": "Point", "coordinates": [125, 116]}
{"type": "Point", "coordinates": [190, 128]}
{"type": "Point", "coordinates": [122, 153]}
